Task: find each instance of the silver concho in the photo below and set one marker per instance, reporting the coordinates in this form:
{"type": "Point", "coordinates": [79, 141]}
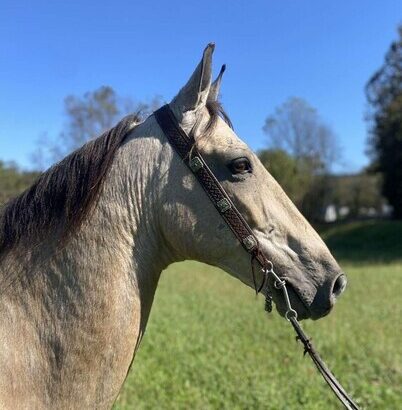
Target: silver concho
{"type": "Point", "coordinates": [195, 164]}
{"type": "Point", "coordinates": [223, 205]}
{"type": "Point", "coordinates": [249, 242]}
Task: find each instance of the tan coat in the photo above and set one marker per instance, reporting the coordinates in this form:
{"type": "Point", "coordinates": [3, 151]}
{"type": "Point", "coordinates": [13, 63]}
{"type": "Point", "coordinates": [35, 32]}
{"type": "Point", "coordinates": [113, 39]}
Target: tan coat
{"type": "Point", "coordinates": [71, 318]}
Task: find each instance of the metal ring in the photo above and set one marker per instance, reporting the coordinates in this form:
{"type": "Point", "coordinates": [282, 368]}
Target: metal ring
{"type": "Point", "coordinates": [279, 284]}
{"type": "Point", "coordinates": [290, 313]}
{"type": "Point", "coordinates": [270, 267]}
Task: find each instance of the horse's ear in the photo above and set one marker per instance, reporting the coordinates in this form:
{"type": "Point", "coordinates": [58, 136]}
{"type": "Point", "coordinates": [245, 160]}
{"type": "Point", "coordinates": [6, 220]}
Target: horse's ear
{"type": "Point", "coordinates": [216, 86]}
{"type": "Point", "coordinates": [195, 93]}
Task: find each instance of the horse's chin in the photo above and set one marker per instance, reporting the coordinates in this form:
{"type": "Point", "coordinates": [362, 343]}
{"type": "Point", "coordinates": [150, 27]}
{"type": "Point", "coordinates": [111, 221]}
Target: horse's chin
{"type": "Point", "coordinates": [296, 301]}
{"type": "Point", "coordinates": [304, 311]}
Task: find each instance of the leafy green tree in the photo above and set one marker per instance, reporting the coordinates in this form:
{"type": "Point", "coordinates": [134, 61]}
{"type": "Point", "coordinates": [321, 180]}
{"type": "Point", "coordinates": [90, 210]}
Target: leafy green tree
{"type": "Point", "coordinates": [357, 192]}
{"type": "Point", "coordinates": [384, 94]}
{"type": "Point", "coordinates": [13, 181]}
{"type": "Point", "coordinates": [290, 175]}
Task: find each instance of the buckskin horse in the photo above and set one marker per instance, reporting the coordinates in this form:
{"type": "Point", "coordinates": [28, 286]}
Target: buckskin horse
{"type": "Point", "coordinates": [82, 250]}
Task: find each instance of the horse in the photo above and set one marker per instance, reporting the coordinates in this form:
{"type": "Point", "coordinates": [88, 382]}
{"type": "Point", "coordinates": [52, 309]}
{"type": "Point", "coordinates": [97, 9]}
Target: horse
{"type": "Point", "coordinates": [82, 249]}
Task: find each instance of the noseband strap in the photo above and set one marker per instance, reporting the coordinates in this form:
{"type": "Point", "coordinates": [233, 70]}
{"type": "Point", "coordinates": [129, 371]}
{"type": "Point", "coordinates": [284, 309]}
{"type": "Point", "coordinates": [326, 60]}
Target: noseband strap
{"type": "Point", "coordinates": [185, 146]}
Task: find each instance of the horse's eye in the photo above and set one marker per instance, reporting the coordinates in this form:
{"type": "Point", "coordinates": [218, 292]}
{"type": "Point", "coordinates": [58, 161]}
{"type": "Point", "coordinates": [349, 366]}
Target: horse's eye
{"type": "Point", "coordinates": [240, 166]}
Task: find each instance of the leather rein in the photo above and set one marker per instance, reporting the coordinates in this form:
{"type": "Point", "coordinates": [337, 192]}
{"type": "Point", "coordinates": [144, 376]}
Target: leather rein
{"type": "Point", "coordinates": [184, 145]}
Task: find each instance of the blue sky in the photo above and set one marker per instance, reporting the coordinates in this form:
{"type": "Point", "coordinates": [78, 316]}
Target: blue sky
{"type": "Point", "coordinates": [322, 51]}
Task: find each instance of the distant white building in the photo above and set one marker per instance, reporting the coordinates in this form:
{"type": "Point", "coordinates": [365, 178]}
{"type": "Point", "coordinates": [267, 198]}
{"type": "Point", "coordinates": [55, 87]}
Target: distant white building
{"type": "Point", "coordinates": [330, 213]}
{"type": "Point", "coordinates": [343, 211]}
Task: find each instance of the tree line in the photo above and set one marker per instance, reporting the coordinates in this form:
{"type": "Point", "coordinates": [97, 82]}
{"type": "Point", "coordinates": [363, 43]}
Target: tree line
{"type": "Point", "coordinates": [13, 180]}
{"type": "Point", "coordinates": [301, 152]}
{"type": "Point", "coordinates": [384, 95]}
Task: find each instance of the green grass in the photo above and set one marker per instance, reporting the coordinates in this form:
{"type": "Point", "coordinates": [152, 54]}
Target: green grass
{"type": "Point", "coordinates": [367, 241]}
{"type": "Point", "coordinates": [209, 344]}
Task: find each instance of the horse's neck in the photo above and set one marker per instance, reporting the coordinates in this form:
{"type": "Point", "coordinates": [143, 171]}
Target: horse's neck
{"type": "Point", "coordinates": [82, 311]}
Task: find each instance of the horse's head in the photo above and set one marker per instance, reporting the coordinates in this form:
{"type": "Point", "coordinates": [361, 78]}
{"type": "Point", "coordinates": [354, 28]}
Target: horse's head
{"type": "Point", "coordinates": [195, 230]}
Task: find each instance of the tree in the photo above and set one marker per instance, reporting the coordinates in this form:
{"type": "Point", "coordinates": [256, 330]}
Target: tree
{"type": "Point", "coordinates": [13, 181]}
{"type": "Point", "coordinates": [296, 130]}
{"type": "Point", "coordinates": [87, 118]}
{"type": "Point", "coordinates": [284, 168]}
{"type": "Point", "coordinates": [357, 192]}
{"type": "Point", "coordinates": [384, 94]}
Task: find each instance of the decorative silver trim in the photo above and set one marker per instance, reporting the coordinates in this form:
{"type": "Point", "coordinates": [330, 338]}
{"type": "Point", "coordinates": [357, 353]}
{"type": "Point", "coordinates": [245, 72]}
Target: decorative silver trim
{"type": "Point", "coordinates": [223, 205]}
{"type": "Point", "coordinates": [249, 242]}
{"type": "Point", "coordinates": [195, 164]}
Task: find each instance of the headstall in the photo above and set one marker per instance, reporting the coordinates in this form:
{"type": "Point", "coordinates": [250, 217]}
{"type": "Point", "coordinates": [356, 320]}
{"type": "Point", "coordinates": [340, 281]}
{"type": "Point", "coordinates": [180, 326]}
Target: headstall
{"type": "Point", "coordinates": [184, 145]}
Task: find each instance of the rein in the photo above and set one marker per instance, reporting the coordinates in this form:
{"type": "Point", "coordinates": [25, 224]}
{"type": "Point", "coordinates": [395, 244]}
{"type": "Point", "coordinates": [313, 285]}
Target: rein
{"type": "Point", "coordinates": [184, 145]}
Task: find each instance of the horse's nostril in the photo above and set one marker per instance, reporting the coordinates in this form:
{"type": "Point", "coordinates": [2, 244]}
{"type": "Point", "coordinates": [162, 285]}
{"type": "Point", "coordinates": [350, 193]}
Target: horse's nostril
{"type": "Point", "coordinates": [339, 285]}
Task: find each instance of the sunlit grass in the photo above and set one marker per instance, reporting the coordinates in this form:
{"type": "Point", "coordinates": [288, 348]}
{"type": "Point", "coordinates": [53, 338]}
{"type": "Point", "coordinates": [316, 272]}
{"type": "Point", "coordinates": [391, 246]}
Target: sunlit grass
{"type": "Point", "coordinates": [369, 241]}
{"type": "Point", "coordinates": [209, 345]}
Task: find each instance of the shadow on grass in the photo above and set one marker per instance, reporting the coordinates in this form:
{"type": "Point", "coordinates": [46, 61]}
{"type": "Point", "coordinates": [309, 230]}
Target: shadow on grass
{"type": "Point", "coordinates": [374, 241]}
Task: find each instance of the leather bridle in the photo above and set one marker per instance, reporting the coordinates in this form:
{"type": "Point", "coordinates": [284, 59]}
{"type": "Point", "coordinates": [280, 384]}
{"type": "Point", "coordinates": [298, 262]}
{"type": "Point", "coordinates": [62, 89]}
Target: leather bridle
{"type": "Point", "coordinates": [184, 145]}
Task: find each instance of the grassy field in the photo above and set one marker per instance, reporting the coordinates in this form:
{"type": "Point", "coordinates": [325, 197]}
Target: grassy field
{"type": "Point", "coordinates": [209, 344]}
